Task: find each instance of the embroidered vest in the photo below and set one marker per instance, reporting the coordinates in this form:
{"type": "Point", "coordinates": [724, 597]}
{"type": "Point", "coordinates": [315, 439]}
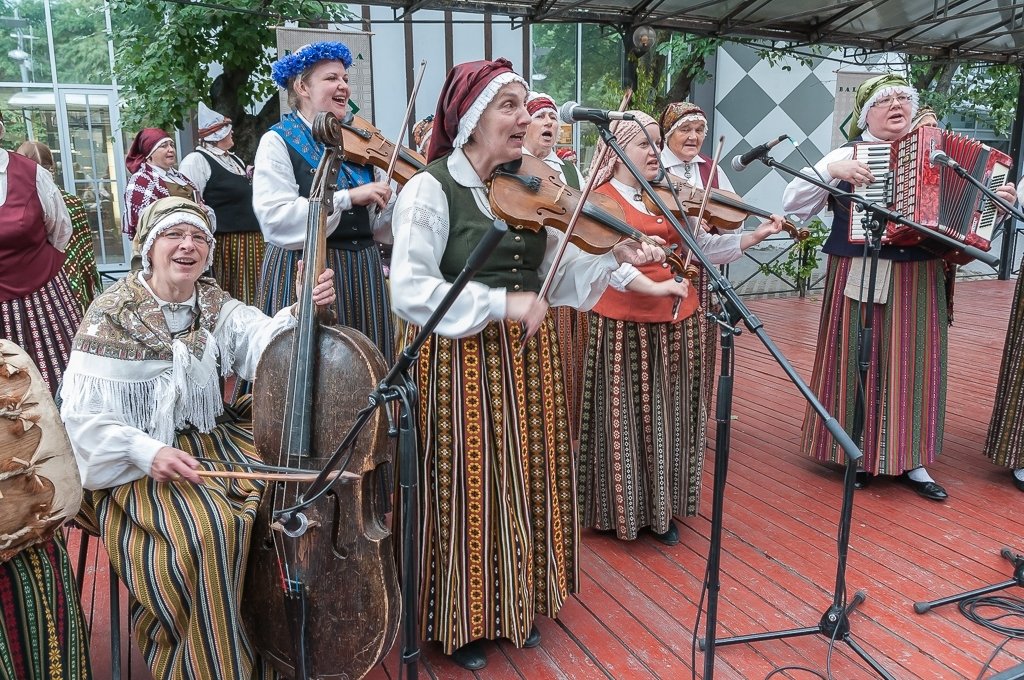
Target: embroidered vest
{"type": "Point", "coordinates": [27, 260]}
{"type": "Point", "coordinates": [230, 196]}
{"type": "Point", "coordinates": [514, 263]}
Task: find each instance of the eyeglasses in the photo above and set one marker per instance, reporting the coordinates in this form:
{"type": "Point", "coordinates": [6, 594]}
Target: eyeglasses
{"type": "Point", "coordinates": [198, 237]}
{"type": "Point", "coordinates": [885, 103]}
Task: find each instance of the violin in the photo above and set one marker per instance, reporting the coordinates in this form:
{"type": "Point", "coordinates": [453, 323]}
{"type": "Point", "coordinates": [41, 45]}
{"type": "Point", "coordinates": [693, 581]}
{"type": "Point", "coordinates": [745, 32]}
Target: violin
{"type": "Point", "coordinates": [321, 597]}
{"type": "Point", "coordinates": [725, 209]}
{"type": "Point", "coordinates": [529, 194]}
{"type": "Point", "coordinates": [365, 145]}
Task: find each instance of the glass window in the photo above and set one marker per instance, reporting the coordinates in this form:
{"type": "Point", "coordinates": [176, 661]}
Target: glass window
{"type": "Point", "coordinates": [30, 114]}
{"type": "Point", "coordinates": [554, 61]}
{"type": "Point", "coordinates": [24, 50]}
{"type": "Point", "coordinates": [80, 41]}
{"type": "Point", "coordinates": [600, 80]}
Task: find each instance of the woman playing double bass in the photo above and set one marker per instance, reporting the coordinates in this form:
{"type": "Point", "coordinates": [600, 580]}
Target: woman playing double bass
{"type": "Point", "coordinates": [645, 408]}
{"type": "Point", "coordinates": [316, 79]}
{"type": "Point", "coordinates": [499, 516]}
{"type": "Point", "coordinates": [141, 400]}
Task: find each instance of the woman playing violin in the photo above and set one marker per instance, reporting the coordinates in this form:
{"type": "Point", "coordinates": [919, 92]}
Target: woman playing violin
{"type": "Point", "coordinates": [499, 515]}
{"type": "Point", "coordinates": [316, 78]}
{"type": "Point", "coordinates": [645, 399]}
{"type": "Point", "coordinates": [684, 127]}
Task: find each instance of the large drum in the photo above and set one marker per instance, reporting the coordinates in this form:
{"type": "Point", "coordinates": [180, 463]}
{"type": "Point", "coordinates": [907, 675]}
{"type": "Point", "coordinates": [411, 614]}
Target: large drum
{"type": "Point", "coordinates": [40, 487]}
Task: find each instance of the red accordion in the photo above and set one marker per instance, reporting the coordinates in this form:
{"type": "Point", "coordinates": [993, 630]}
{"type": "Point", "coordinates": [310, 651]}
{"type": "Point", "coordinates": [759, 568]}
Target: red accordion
{"type": "Point", "coordinates": [932, 195]}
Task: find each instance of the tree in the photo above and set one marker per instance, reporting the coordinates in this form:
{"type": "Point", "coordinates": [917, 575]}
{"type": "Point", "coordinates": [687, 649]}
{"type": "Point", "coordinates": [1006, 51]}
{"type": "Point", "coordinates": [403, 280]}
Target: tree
{"type": "Point", "coordinates": [164, 52]}
{"type": "Point", "coordinates": [981, 90]}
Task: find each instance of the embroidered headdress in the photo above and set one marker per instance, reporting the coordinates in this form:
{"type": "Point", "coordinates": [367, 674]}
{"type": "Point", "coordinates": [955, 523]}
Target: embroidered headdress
{"type": "Point", "coordinates": [538, 101]}
{"type": "Point", "coordinates": [160, 216]}
{"type": "Point", "coordinates": [306, 57]}
{"type": "Point", "coordinates": [145, 143]}
{"type": "Point", "coordinates": [213, 126]}
{"type": "Point", "coordinates": [677, 113]}
{"type": "Point", "coordinates": [873, 89]}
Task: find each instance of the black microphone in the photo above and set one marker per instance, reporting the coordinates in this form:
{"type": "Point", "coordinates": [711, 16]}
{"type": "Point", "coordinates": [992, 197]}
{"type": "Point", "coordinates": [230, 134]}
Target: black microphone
{"type": "Point", "coordinates": [572, 112]}
{"type": "Point", "coordinates": [740, 163]}
{"type": "Point", "coordinates": [939, 157]}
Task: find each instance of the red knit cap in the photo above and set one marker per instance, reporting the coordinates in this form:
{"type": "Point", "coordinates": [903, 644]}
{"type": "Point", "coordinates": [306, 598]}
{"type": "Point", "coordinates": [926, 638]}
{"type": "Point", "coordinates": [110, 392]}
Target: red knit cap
{"type": "Point", "coordinates": [465, 82]}
{"type": "Point", "coordinates": [142, 146]}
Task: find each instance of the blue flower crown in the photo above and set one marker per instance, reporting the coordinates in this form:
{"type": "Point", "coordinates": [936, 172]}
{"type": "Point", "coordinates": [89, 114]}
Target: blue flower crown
{"type": "Point", "coordinates": [291, 65]}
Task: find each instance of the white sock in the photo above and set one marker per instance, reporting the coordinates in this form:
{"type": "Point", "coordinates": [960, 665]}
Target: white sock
{"type": "Point", "coordinates": [1019, 474]}
{"type": "Point", "coordinates": [919, 474]}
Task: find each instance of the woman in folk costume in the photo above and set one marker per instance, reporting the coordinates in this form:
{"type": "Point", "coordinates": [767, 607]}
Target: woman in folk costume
{"type": "Point", "coordinates": [316, 78]}
{"type": "Point", "coordinates": [499, 522]}
{"type": "Point", "coordinates": [151, 160]}
{"type": "Point", "coordinates": [42, 631]}
{"type": "Point", "coordinates": [141, 401]}
{"type": "Point", "coordinates": [645, 410]}
{"type": "Point", "coordinates": [79, 256]}
{"type": "Point", "coordinates": [225, 184]}
{"type": "Point", "coordinates": [540, 141]}
{"type": "Point", "coordinates": [683, 128]}
{"type": "Point", "coordinates": [1005, 442]}
{"type": "Point", "coordinates": [906, 385]}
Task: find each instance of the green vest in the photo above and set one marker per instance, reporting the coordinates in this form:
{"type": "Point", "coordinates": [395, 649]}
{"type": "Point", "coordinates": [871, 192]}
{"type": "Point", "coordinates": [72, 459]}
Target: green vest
{"type": "Point", "coordinates": [514, 263]}
{"type": "Point", "coordinates": [572, 175]}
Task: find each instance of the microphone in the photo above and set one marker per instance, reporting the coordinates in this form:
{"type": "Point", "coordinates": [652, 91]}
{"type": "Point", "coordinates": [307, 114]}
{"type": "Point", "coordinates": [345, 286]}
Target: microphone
{"type": "Point", "coordinates": [939, 157]}
{"type": "Point", "coordinates": [740, 163]}
{"type": "Point", "coordinates": [572, 112]}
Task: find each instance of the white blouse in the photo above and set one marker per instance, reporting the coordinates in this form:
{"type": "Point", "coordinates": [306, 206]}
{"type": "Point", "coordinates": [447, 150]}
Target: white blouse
{"type": "Point", "coordinates": [803, 199]}
{"type": "Point", "coordinates": [679, 167]}
{"type": "Point", "coordinates": [55, 212]}
{"type": "Point", "coordinates": [282, 212]}
{"type": "Point", "coordinates": [98, 393]}
{"type": "Point", "coordinates": [421, 234]}
{"type": "Point", "coordinates": [196, 165]}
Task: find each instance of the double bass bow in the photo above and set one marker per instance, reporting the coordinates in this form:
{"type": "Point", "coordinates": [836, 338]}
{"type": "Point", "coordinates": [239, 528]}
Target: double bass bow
{"type": "Point", "coordinates": [321, 594]}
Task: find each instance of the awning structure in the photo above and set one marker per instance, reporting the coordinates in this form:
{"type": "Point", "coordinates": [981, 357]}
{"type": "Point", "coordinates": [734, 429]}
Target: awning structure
{"type": "Point", "coordinates": [980, 30]}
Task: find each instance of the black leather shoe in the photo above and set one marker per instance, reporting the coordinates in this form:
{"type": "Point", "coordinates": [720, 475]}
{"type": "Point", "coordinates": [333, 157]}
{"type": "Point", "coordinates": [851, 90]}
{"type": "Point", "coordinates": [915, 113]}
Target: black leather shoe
{"type": "Point", "coordinates": [863, 480]}
{"type": "Point", "coordinates": [670, 536]}
{"type": "Point", "coordinates": [470, 656]}
{"type": "Point", "coordinates": [930, 490]}
{"type": "Point", "coordinates": [533, 639]}
{"type": "Point", "coordinates": [1017, 482]}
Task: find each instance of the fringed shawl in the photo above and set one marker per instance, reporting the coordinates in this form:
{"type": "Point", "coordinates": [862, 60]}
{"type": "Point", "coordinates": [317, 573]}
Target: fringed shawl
{"type": "Point", "coordinates": [161, 384]}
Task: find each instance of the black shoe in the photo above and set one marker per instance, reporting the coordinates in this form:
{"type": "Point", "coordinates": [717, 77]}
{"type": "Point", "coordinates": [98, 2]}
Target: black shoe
{"type": "Point", "coordinates": [670, 536]}
{"type": "Point", "coordinates": [470, 656]}
{"type": "Point", "coordinates": [533, 639]}
{"type": "Point", "coordinates": [930, 490]}
{"type": "Point", "coordinates": [863, 480]}
{"type": "Point", "coordinates": [1017, 482]}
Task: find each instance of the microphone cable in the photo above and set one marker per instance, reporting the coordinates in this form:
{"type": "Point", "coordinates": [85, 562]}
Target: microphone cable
{"type": "Point", "coordinates": [1002, 607]}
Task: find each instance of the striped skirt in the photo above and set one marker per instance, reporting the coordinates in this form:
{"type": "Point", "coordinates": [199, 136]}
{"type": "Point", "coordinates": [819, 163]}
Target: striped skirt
{"type": "Point", "coordinates": [44, 323]}
{"type": "Point", "coordinates": [906, 385]}
{"type": "Point", "coordinates": [42, 631]}
{"type": "Point", "coordinates": [498, 496]}
{"type": "Point", "coordinates": [181, 551]}
{"type": "Point", "coordinates": [644, 426]}
{"type": "Point", "coordinates": [363, 301]}
{"type": "Point", "coordinates": [1005, 442]}
{"type": "Point", "coordinates": [572, 341]}
{"type": "Point", "coordinates": [237, 262]}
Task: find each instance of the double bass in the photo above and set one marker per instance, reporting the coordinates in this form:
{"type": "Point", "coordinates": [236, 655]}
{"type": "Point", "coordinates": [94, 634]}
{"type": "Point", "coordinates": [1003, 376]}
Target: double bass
{"type": "Point", "coordinates": [321, 599]}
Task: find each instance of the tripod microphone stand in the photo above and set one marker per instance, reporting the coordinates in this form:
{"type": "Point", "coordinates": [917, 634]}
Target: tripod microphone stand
{"type": "Point", "coordinates": [734, 310]}
{"type": "Point", "coordinates": [835, 621]}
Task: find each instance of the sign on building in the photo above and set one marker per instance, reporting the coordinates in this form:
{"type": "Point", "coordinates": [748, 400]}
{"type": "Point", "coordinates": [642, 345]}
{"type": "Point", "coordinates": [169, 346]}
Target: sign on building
{"type": "Point", "coordinates": [360, 75]}
{"type": "Point", "coordinates": [847, 83]}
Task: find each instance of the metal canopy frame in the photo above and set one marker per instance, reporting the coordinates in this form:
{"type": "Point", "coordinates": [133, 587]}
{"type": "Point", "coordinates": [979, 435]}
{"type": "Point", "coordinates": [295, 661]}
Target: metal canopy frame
{"type": "Point", "coordinates": [969, 30]}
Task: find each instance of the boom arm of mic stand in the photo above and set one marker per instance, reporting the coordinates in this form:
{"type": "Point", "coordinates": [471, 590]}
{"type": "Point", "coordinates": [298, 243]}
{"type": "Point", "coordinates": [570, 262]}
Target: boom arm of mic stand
{"type": "Point", "coordinates": [474, 263]}
{"type": "Point", "coordinates": [991, 195]}
{"type": "Point", "coordinates": [738, 309]}
{"type": "Point", "coordinates": [889, 215]}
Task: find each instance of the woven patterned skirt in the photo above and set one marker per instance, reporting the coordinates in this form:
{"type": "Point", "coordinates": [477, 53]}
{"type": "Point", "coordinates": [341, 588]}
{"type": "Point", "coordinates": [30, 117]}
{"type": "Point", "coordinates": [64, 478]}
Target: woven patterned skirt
{"type": "Point", "coordinates": [1005, 442]}
{"type": "Point", "coordinates": [363, 302]}
{"type": "Point", "coordinates": [498, 496]}
{"type": "Point", "coordinates": [572, 341]}
{"type": "Point", "coordinates": [44, 323]}
{"type": "Point", "coordinates": [181, 550]}
{"type": "Point", "coordinates": [906, 403]}
{"type": "Point", "coordinates": [79, 256]}
{"type": "Point", "coordinates": [42, 631]}
{"type": "Point", "coordinates": [644, 425]}
{"type": "Point", "coordinates": [237, 262]}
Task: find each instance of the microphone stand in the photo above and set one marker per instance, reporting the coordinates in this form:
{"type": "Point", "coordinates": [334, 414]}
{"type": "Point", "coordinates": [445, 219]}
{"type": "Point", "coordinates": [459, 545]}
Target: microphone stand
{"type": "Point", "coordinates": [733, 310]}
{"type": "Point", "coordinates": [835, 623]}
{"type": "Point", "coordinates": [397, 386]}
{"type": "Point", "coordinates": [984, 188]}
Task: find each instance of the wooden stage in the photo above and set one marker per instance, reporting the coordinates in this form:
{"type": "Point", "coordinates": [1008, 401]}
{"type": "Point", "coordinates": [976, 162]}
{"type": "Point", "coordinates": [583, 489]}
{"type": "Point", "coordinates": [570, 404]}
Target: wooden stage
{"type": "Point", "coordinates": [635, 614]}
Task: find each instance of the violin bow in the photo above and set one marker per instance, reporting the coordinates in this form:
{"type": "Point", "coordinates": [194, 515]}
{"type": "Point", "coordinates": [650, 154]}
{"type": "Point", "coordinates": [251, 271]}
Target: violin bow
{"type": "Point", "coordinates": [707, 194]}
{"type": "Point", "coordinates": [405, 121]}
{"type": "Point", "coordinates": [577, 211]}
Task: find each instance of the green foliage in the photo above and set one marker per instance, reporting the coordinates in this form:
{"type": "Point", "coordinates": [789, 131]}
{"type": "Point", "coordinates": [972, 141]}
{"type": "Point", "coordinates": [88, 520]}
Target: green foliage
{"type": "Point", "coordinates": [801, 259]}
{"type": "Point", "coordinates": [987, 91]}
{"type": "Point", "coordinates": [163, 53]}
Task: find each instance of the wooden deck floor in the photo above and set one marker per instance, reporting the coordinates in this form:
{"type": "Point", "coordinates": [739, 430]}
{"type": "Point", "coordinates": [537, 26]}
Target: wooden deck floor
{"type": "Point", "coordinates": [635, 614]}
